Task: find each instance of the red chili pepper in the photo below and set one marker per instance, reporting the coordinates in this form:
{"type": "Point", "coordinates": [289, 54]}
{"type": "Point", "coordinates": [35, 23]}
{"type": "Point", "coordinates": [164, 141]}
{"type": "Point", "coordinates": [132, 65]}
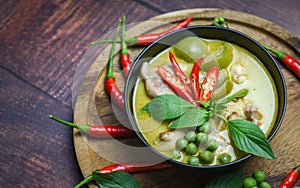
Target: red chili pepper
{"type": "Point", "coordinates": [209, 84]}
{"type": "Point", "coordinates": [147, 39]}
{"type": "Point", "coordinates": [125, 57]}
{"type": "Point", "coordinates": [127, 167]}
{"type": "Point", "coordinates": [132, 168]}
{"type": "Point", "coordinates": [291, 178]}
{"type": "Point", "coordinates": [100, 131]}
{"type": "Point", "coordinates": [110, 83]}
{"type": "Point", "coordinates": [176, 85]}
{"type": "Point", "coordinates": [194, 77]}
{"type": "Point", "coordinates": [290, 62]}
{"type": "Point", "coordinates": [178, 71]}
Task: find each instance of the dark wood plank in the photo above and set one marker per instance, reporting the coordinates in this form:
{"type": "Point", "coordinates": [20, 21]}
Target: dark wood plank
{"type": "Point", "coordinates": [35, 151]}
{"type": "Point", "coordinates": [283, 13]}
{"type": "Point", "coordinates": [44, 41]}
{"type": "Point", "coordinates": [41, 46]}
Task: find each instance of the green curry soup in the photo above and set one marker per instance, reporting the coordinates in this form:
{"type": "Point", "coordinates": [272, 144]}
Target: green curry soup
{"type": "Point", "coordinates": [239, 69]}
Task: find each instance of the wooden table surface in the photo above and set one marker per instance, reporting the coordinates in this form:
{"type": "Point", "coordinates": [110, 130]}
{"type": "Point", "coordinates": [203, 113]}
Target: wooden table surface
{"type": "Point", "coordinates": [42, 43]}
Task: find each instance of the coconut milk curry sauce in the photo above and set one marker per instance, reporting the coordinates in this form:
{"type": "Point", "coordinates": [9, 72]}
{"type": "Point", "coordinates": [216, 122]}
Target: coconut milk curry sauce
{"type": "Point", "coordinates": [209, 144]}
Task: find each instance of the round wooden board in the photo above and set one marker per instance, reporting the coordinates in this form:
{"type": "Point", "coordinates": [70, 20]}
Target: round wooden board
{"type": "Point", "coordinates": [93, 105]}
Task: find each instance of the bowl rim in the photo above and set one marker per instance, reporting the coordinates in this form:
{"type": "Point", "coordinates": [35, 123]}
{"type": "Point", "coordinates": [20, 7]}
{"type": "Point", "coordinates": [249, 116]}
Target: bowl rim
{"type": "Point", "coordinates": [247, 37]}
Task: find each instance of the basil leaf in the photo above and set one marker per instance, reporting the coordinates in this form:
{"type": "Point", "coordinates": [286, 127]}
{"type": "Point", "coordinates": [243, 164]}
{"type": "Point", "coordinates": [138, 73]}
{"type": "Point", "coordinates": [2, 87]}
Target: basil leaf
{"type": "Point", "coordinates": [205, 104]}
{"type": "Point", "coordinates": [248, 137]}
{"type": "Point", "coordinates": [116, 179]}
{"type": "Point", "coordinates": [239, 94]}
{"type": "Point", "coordinates": [232, 180]}
{"type": "Point", "coordinates": [167, 106]}
{"type": "Point", "coordinates": [191, 118]}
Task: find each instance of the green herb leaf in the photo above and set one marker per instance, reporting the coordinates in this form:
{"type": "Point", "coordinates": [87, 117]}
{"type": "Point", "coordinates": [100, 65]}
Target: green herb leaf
{"type": "Point", "coordinates": [232, 180]}
{"type": "Point", "coordinates": [239, 94]}
{"type": "Point", "coordinates": [248, 137]}
{"type": "Point", "coordinates": [191, 118]}
{"type": "Point", "coordinates": [116, 179]}
{"type": "Point", "coordinates": [221, 104]}
{"type": "Point", "coordinates": [206, 104]}
{"type": "Point", "coordinates": [167, 106]}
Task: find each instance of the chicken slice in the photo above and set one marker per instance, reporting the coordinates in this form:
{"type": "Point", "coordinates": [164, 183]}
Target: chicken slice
{"type": "Point", "coordinates": [154, 84]}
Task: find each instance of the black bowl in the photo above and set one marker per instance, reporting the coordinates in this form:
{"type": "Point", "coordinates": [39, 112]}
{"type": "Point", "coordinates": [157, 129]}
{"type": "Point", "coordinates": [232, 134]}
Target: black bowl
{"type": "Point", "coordinates": [207, 32]}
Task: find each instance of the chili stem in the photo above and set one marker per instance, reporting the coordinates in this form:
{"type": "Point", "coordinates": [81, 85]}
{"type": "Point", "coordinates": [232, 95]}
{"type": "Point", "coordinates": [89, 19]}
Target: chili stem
{"type": "Point", "coordinates": [110, 84]}
{"type": "Point", "coordinates": [278, 53]}
{"type": "Point", "coordinates": [220, 21]}
{"type": "Point", "coordinates": [110, 73]}
{"type": "Point", "coordinates": [221, 117]}
{"type": "Point", "coordinates": [86, 180]}
{"type": "Point", "coordinates": [124, 46]}
{"type": "Point", "coordinates": [64, 122]}
{"type": "Point", "coordinates": [125, 57]}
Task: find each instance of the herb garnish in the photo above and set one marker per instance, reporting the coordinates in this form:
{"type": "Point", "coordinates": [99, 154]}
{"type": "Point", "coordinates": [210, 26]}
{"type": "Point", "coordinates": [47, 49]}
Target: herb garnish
{"type": "Point", "coordinates": [232, 180]}
{"type": "Point", "coordinates": [246, 135]}
{"type": "Point", "coordinates": [168, 106]}
{"type": "Point", "coordinates": [115, 179]}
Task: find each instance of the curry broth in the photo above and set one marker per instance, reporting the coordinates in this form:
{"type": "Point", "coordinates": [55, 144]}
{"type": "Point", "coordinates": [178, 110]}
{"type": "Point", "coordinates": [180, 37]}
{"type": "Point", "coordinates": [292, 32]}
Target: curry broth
{"type": "Point", "coordinates": [262, 93]}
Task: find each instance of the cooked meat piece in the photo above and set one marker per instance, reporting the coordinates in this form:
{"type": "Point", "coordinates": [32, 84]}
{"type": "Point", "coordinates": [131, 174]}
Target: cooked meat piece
{"type": "Point", "coordinates": [166, 136]}
{"type": "Point", "coordinates": [252, 113]}
{"type": "Point", "coordinates": [154, 84]}
{"type": "Point", "coordinates": [242, 109]}
{"type": "Point", "coordinates": [237, 73]}
{"type": "Point", "coordinates": [167, 140]}
{"type": "Point", "coordinates": [235, 110]}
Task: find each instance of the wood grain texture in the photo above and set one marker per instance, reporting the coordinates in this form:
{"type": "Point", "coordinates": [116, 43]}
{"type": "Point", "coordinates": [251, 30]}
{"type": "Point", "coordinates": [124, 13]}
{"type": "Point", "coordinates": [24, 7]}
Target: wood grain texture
{"type": "Point", "coordinates": [95, 107]}
{"type": "Point", "coordinates": [270, 10]}
{"type": "Point", "coordinates": [39, 33]}
{"type": "Point", "coordinates": [42, 43]}
{"type": "Point", "coordinates": [26, 149]}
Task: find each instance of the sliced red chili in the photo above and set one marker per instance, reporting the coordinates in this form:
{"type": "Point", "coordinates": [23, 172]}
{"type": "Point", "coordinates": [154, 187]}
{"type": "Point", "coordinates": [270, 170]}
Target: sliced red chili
{"type": "Point", "coordinates": [209, 84]}
{"type": "Point", "coordinates": [178, 71]}
{"type": "Point", "coordinates": [194, 77]}
{"type": "Point", "coordinates": [176, 85]}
